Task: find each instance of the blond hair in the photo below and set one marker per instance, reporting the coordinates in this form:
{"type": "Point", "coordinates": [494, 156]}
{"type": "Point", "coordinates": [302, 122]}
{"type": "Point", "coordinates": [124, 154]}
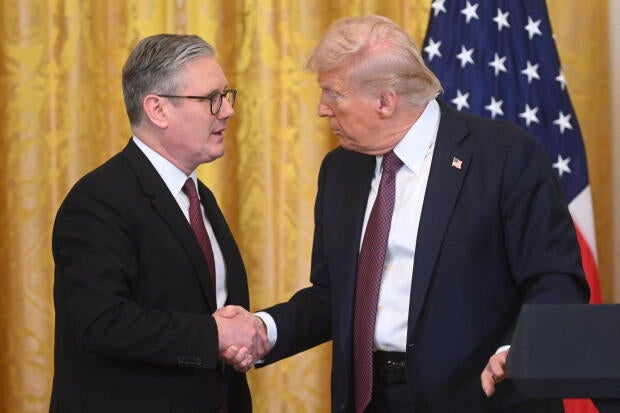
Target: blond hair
{"type": "Point", "coordinates": [377, 54]}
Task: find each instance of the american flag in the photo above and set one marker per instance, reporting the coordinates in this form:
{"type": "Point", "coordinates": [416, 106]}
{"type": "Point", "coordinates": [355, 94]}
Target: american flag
{"type": "Point", "coordinates": [498, 59]}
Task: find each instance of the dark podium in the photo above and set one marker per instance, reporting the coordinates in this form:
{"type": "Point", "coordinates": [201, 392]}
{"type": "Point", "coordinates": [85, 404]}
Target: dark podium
{"type": "Point", "coordinates": [568, 351]}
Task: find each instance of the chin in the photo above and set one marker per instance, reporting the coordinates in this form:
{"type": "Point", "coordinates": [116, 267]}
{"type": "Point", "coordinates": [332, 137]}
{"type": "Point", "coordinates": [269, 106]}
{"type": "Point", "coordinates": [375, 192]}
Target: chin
{"type": "Point", "coordinates": [218, 154]}
{"type": "Point", "coordinates": [212, 156]}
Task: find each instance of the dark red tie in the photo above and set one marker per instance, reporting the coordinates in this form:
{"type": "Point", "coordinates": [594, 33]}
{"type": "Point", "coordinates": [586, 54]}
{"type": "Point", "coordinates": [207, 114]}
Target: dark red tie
{"type": "Point", "coordinates": [369, 272]}
{"type": "Point", "coordinates": [198, 225]}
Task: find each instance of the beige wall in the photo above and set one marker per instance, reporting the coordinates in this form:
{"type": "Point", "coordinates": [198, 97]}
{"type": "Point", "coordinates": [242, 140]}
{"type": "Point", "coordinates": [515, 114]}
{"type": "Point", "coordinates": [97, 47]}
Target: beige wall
{"type": "Point", "coordinates": [614, 61]}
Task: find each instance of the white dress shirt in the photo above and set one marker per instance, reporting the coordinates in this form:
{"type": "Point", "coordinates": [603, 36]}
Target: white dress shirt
{"type": "Point", "coordinates": [174, 179]}
{"type": "Point", "coordinates": [415, 150]}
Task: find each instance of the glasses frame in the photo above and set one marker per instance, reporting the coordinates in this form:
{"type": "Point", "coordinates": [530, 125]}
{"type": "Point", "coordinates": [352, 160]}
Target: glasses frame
{"type": "Point", "coordinates": [215, 99]}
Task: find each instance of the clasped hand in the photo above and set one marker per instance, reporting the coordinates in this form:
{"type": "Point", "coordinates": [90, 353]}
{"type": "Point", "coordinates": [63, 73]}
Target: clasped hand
{"type": "Point", "coordinates": [242, 337]}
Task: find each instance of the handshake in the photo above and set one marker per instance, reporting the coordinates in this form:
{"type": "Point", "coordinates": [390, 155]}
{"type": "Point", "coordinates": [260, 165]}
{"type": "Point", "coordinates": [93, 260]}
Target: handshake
{"type": "Point", "coordinates": [242, 337]}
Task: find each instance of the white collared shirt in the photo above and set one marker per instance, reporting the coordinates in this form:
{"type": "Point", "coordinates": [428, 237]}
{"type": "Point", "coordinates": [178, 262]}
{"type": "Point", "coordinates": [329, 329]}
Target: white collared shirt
{"type": "Point", "coordinates": [416, 152]}
{"type": "Point", "coordinates": [174, 179]}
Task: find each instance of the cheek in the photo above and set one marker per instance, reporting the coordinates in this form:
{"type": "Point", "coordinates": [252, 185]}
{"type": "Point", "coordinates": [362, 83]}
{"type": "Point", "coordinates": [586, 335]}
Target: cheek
{"type": "Point", "coordinates": [355, 124]}
{"type": "Point", "coordinates": [201, 129]}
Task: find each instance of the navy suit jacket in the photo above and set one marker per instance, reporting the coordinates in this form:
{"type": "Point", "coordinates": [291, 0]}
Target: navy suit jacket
{"type": "Point", "coordinates": [494, 234]}
{"type": "Point", "coordinates": [134, 331]}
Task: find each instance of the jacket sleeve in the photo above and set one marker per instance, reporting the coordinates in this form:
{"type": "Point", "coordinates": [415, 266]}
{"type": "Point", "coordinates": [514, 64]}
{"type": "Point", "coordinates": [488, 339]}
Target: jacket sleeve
{"type": "Point", "coordinates": [540, 237]}
{"type": "Point", "coordinates": [305, 320]}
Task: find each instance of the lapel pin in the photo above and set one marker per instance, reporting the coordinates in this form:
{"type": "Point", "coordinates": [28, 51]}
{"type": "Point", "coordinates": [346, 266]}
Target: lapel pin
{"type": "Point", "coordinates": [457, 163]}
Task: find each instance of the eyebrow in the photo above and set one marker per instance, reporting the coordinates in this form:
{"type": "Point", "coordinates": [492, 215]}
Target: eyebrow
{"type": "Point", "coordinates": [212, 91]}
{"type": "Point", "coordinates": [218, 90]}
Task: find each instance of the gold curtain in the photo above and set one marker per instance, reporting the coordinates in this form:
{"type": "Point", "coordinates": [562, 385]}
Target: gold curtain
{"type": "Point", "coordinates": [62, 115]}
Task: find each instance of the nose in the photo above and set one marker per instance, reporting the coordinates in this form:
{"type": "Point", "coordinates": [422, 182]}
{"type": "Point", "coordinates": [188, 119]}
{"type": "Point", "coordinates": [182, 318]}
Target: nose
{"type": "Point", "coordinates": [226, 111]}
{"type": "Point", "coordinates": [324, 108]}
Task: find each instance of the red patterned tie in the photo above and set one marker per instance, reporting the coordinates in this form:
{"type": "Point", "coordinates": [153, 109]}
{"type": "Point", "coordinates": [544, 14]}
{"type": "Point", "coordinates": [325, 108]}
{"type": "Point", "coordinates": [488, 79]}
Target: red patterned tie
{"type": "Point", "coordinates": [198, 225]}
{"type": "Point", "coordinates": [369, 272]}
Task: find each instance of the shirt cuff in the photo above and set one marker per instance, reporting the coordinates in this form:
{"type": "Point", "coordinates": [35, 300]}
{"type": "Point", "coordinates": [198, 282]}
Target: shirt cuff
{"type": "Point", "coordinates": [272, 330]}
{"type": "Point", "coordinates": [502, 348]}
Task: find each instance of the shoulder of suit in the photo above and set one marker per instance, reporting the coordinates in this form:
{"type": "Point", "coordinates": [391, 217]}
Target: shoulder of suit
{"type": "Point", "coordinates": [489, 131]}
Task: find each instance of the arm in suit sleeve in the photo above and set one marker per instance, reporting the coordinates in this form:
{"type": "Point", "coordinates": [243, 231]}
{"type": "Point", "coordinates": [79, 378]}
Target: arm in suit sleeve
{"type": "Point", "coordinates": [540, 238]}
{"type": "Point", "coordinates": [100, 254]}
{"type": "Point", "coordinates": [305, 320]}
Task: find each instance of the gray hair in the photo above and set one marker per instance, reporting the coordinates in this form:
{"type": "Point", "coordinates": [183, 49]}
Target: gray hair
{"type": "Point", "coordinates": [153, 66]}
{"type": "Point", "coordinates": [377, 54]}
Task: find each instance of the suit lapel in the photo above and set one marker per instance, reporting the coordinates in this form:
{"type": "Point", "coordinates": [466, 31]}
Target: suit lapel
{"type": "Point", "coordinates": [448, 170]}
{"type": "Point", "coordinates": [236, 280]}
{"type": "Point", "coordinates": [168, 209]}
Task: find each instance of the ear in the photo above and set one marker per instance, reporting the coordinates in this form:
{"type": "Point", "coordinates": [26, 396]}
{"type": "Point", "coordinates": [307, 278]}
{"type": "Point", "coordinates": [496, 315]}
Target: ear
{"type": "Point", "coordinates": [387, 103]}
{"type": "Point", "coordinates": [155, 110]}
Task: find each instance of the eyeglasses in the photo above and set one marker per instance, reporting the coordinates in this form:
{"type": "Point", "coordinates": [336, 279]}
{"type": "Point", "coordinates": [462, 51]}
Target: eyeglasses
{"type": "Point", "coordinates": [214, 98]}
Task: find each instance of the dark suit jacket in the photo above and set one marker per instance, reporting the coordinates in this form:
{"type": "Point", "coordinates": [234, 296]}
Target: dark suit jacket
{"type": "Point", "coordinates": [493, 235]}
{"type": "Point", "coordinates": [133, 299]}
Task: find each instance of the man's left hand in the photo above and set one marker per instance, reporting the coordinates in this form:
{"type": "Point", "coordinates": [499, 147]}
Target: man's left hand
{"type": "Point", "coordinates": [494, 372]}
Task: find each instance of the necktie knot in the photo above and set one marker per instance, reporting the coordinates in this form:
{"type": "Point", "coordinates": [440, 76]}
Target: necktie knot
{"type": "Point", "coordinates": [189, 188]}
{"type": "Point", "coordinates": [391, 162]}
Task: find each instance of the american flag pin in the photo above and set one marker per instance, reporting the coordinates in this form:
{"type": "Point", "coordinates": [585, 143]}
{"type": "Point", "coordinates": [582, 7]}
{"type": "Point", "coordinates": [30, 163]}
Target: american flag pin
{"type": "Point", "coordinates": [457, 163]}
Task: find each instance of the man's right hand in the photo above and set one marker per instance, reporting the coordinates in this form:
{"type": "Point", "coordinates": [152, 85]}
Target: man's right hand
{"type": "Point", "coordinates": [242, 337]}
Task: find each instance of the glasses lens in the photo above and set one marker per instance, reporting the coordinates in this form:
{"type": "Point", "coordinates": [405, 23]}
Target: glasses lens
{"type": "Point", "coordinates": [216, 100]}
{"type": "Point", "coordinates": [230, 96]}
{"type": "Point", "coordinates": [216, 103]}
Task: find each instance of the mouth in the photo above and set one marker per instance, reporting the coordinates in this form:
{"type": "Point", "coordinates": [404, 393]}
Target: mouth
{"type": "Point", "coordinates": [219, 132]}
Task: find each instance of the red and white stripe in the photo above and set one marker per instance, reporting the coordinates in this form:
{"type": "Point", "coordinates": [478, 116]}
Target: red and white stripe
{"type": "Point", "coordinates": [583, 217]}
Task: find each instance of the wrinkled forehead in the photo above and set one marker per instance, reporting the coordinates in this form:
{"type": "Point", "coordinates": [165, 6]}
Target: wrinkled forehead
{"type": "Point", "coordinates": [334, 79]}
